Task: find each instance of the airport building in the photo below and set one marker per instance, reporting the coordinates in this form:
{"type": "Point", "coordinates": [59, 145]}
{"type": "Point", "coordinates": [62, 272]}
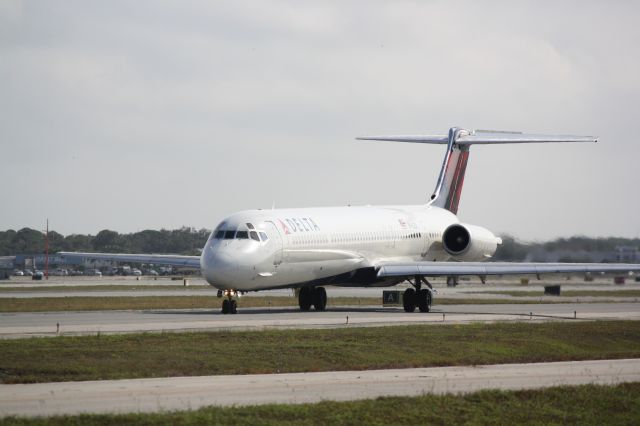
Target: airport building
{"type": "Point", "coordinates": [6, 266]}
{"type": "Point", "coordinates": [627, 254]}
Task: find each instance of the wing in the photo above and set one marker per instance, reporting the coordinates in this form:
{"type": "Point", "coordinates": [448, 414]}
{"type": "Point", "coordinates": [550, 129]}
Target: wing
{"type": "Point", "coordinates": [156, 259]}
{"type": "Point", "coordinates": [436, 269]}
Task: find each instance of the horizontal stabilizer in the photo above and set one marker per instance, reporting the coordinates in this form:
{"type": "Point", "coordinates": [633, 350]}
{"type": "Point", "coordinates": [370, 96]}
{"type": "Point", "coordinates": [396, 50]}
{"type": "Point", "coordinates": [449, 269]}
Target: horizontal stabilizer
{"type": "Point", "coordinates": [482, 137]}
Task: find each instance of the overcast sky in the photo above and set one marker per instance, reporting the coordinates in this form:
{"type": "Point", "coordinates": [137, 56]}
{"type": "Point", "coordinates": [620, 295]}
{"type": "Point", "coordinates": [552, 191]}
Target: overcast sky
{"type": "Point", "coordinates": [132, 115]}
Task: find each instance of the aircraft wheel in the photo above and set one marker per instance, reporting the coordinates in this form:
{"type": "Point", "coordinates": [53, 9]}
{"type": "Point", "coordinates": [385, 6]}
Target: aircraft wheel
{"type": "Point", "coordinates": [225, 306]}
{"type": "Point", "coordinates": [320, 299]}
{"type": "Point", "coordinates": [424, 300]}
{"type": "Point", "coordinates": [233, 307]}
{"type": "Point", "coordinates": [305, 298]}
{"type": "Point", "coordinates": [409, 300]}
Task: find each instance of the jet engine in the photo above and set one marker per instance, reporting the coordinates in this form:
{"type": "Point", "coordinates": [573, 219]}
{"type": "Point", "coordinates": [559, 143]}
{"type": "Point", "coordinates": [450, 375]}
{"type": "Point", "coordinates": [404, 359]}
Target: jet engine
{"type": "Point", "coordinates": [469, 243]}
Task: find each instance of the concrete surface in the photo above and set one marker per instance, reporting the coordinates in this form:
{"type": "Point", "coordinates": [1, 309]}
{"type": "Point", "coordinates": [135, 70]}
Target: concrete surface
{"type": "Point", "coordinates": [187, 393]}
{"type": "Point", "coordinates": [17, 325]}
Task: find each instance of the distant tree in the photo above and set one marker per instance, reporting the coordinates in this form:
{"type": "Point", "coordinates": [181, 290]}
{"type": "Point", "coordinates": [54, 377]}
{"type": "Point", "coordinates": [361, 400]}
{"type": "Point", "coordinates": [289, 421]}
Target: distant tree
{"type": "Point", "coordinates": [510, 250]}
{"type": "Point", "coordinates": [107, 241]}
{"type": "Point", "coordinates": [78, 242]}
{"type": "Point", "coordinates": [28, 240]}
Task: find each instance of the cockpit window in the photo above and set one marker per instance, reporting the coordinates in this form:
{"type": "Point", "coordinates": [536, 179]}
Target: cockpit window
{"type": "Point", "coordinates": [242, 235]}
{"type": "Point", "coordinates": [263, 236]}
{"type": "Point", "coordinates": [254, 235]}
{"type": "Point", "coordinates": [220, 235]}
{"type": "Point", "coordinates": [250, 226]}
{"type": "Point", "coordinates": [228, 235]}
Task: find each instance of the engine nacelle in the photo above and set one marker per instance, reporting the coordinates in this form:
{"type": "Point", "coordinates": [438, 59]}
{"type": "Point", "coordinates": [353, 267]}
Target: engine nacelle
{"type": "Point", "coordinates": [469, 243]}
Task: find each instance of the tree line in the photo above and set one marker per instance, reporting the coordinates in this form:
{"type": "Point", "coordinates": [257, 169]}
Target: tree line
{"type": "Point", "coordinates": [189, 241]}
{"type": "Point", "coordinates": [513, 250]}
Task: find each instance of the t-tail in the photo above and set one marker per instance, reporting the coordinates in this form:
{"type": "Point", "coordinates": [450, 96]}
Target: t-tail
{"type": "Point", "coordinates": [458, 141]}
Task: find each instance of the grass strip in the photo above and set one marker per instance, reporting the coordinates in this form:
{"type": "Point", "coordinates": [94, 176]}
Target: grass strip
{"type": "Point", "coordinates": [580, 405]}
{"type": "Point", "coordinates": [286, 351]}
{"type": "Point", "coordinates": [89, 303]}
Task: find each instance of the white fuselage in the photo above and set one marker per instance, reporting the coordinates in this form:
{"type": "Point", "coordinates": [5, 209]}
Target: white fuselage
{"type": "Point", "coordinates": [262, 249]}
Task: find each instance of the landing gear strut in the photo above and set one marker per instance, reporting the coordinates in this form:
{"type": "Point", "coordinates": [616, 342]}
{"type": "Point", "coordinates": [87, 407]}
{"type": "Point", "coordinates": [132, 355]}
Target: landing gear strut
{"type": "Point", "coordinates": [420, 297]}
{"type": "Point", "coordinates": [312, 296]}
{"type": "Point", "coordinates": [229, 305]}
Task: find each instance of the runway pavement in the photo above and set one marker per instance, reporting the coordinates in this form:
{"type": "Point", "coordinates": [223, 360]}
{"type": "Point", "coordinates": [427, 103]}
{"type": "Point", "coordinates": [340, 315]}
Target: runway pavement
{"type": "Point", "coordinates": [20, 325]}
{"type": "Point", "coordinates": [187, 393]}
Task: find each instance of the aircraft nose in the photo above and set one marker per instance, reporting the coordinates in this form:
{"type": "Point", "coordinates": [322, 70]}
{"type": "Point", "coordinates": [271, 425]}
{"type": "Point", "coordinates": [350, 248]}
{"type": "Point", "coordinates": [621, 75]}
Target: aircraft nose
{"type": "Point", "coordinates": [219, 268]}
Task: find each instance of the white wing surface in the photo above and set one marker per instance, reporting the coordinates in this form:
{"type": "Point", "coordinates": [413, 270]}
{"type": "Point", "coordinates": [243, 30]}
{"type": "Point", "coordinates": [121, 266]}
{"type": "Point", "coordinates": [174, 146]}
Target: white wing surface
{"type": "Point", "coordinates": [156, 259]}
{"type": "Point", "coordinates": [436, 269]}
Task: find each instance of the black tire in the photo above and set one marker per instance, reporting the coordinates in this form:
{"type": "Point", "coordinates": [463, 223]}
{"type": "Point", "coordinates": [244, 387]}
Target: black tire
{"type": "Point", "coordinates": [409, 300]}
{"type": "Point", "coordinates": [233, 307]}
{"type": "Point", "coordinates": [305, 298]}
{"type": "Point", "coordinates": [225, 306]}
{"type": "Point", "coordinates": [424, 300]}
{"type": "Point", "coordinates": [320, 298]}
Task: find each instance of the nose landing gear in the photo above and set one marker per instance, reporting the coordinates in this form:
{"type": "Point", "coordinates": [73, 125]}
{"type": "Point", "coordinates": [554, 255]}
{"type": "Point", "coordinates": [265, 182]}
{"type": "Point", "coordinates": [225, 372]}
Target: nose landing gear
{"type": "Point", "coordinates": [312, 296]}
{"type": "Point", "coordinates": [419, 297]}
{"type": "Point", "coordinates": [229, 305]}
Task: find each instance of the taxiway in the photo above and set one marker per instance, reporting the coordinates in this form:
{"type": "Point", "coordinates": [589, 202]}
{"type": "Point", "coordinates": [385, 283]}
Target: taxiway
{"type": "Point", "coordinates": [17, 325]}
{"type": "Point", "coordinates": [187, 393]}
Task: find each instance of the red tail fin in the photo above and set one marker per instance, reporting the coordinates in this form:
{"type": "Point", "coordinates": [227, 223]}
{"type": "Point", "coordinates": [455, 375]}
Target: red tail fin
{"type": "Point", "coordinates": [451, 179]}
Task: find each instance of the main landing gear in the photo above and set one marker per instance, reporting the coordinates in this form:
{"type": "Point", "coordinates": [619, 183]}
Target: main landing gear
{"type": "Point", "coordinates": [420, 297]}
{"type": "Point", "coordinates": [229, 304]}
{"type": "Point", "coordinates": [316, 296]}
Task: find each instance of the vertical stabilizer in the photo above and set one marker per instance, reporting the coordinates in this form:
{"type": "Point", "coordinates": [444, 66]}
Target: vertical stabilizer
{"type": "Point", "coordinates": [451, 179]}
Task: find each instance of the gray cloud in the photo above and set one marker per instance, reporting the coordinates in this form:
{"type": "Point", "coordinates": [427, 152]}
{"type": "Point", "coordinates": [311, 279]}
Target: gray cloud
{"type": "Point", "coordinates": [133, 115]}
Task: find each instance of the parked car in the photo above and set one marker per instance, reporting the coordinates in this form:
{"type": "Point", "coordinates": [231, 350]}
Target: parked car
{"type": "Point", "coordinates": [152, 272]}
{"type": "Point", "coordinates": [136, 272]}
{"type": "Point", "coordinates": [28, 272]}
{"type": "Point", "coordinates": [60, 272]}
{"type": "Point", "coordinates": [18, 273]}
{"type": "Point", "coordinates": [93, 272]}
{"type": "Point", "coordinates": [109, 272]}
{"type": "Point", "coordinates": [166, 270]}
{"type": "Point", "coordinates": [37, 275]}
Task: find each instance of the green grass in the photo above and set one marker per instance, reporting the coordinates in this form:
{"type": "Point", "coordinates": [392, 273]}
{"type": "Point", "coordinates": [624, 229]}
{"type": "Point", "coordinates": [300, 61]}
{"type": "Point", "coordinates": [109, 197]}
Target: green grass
{"type": "Point", "coordinates": [575, 405]}
{"type": "Point", "coordinates": [212, 353]}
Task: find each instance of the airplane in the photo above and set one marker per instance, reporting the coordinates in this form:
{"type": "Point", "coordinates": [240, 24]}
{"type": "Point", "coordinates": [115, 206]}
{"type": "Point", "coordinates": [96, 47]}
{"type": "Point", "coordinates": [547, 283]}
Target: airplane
{"type": "Point", "coordinates": [364, 246]}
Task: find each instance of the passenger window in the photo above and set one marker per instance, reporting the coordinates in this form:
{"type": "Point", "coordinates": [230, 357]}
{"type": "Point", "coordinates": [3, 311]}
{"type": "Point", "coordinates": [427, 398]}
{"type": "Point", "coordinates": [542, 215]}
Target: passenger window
{"type": "Point", "coordinates": [228, 235]}
{"type": "Point", "coordinates": [254, 235]}
{"type": "Point", "coordinates": [263, 236]}
{"type": "Point", "coordinates": [242, 235]}
{"type": "Point", "coordinates": [220, 235]}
